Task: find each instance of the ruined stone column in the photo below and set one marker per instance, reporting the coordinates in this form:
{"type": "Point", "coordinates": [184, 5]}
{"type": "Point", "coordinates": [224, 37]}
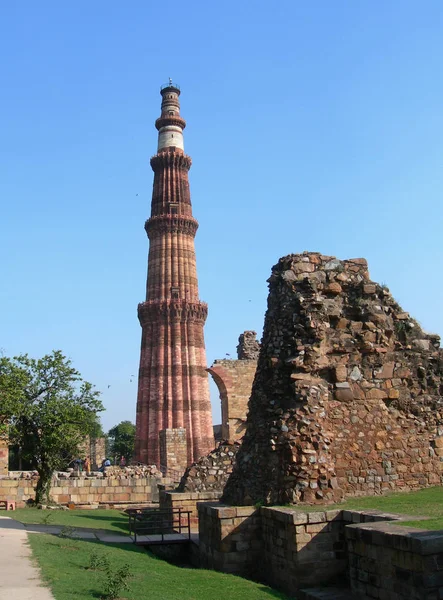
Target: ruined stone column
{"type": "Point", "coordinates": [173, 389]}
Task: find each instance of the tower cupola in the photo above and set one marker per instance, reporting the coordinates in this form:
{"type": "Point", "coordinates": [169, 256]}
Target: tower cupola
{"type": "Point", "coordinates": [170, 125]}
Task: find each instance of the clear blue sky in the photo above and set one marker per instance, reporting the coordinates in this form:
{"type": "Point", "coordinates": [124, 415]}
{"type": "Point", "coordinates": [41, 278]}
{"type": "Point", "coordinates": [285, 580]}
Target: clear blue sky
{"type": "Point", "coordinates": [312, 126]}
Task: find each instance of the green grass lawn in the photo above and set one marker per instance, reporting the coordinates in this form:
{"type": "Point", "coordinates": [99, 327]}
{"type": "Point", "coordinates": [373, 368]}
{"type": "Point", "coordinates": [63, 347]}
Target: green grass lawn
{"type": "Point", "coordinates": [64, 563]}
{"type": "Point", "coordinates": [426, 502]}
{"type": "Point", "coordinates": [112, 520]}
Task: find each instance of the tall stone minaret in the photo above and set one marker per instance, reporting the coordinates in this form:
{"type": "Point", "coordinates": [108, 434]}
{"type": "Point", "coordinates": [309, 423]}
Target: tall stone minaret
{"type": "Point", "coordinates": [173, 389]}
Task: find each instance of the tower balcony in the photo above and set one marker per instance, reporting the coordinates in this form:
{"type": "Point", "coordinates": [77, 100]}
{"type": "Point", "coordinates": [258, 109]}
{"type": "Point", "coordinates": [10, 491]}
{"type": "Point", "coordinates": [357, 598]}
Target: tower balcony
{"type": "Point", "coordinates": [172, 309]}
{"type": "Point", "coordinates": [161, 224]}
{"type": "Point", "coordinates": [170, 120]}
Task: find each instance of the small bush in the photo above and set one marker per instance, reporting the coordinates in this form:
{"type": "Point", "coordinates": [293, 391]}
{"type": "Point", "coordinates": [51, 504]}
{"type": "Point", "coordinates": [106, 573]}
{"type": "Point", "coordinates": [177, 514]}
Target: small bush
{"type": "Point", "coordinates": [116, 582]}
{"type": "Point", "coordinates": [98, 562]}
{"type": "Point", "coordinates": [48, 518]}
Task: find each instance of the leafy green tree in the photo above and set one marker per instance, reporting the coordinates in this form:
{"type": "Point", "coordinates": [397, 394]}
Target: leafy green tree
{"type": "Point", "coordinates": [49, 408]}
{"type": "Point", "coordinates": [122, 440]}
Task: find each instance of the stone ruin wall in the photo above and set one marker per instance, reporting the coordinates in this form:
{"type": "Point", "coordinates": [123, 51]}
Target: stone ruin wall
{"type": "Point", "coordinates": [234, 380]}
{"type": "Point", "coordinates": [347, 399]}
{"type": "Point", "coordinates": [173, 451]}
{"type": "Point", "coordinates": [95, 448]}
{"type": "Point", "coordinates": [210, 473]}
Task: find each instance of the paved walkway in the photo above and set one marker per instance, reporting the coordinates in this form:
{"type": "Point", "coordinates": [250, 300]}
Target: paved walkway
{"type": "Point", "coordinates": [19, 578]}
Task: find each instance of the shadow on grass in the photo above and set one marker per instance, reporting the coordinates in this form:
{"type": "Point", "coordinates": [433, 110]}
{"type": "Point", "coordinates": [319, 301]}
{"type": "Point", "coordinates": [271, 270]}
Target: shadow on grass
{"type": "Point", "coordinates": [274, 593]}
{"type": "Point", "coordinates": [96, 590]}
{"type": "Point", "coordinates": [123, 524]}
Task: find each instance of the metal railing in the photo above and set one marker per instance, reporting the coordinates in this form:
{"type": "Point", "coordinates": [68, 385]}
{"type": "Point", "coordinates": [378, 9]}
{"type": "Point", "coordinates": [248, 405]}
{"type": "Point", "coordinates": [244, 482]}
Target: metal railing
{"type": "Point", "coordinates": [156, 523]}
{"type": "Point", "coordinates": [170, 84]}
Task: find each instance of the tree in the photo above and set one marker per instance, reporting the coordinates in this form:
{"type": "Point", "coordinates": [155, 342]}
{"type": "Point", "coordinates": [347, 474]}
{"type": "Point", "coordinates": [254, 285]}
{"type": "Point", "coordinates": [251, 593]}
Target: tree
{"type": "Point", "coordinates": [49, 408]}
{"type": "Point", "coordinates": [122, 440]}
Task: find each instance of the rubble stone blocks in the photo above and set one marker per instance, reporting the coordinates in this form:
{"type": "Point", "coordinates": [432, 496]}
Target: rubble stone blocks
{"type": "Point", "coordinates": [248, 347]}
{"type": "Point", "coordinates": [347, 399]}
{"type": "Point", "coordinates": [173, 451]}
{"type": "Point", "coordinates": [173, 387]}
{"type": "Point", "coordinates": [210, 473]}
{"type": "Point", "coordinates": [234, 380]}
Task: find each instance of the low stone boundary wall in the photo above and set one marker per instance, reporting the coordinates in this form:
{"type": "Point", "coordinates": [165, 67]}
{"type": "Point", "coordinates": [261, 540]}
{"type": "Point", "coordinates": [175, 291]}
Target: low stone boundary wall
{"type": "Point", "coordinates": [395, 563]}
{"type": "Point", "coordinates": [302, 549]}
{"type": "Point", "coordinates": [187, 501]}
{"type": "Point", "coordinates": [230, 539]}
{"type": "Point", "coordinates": [289, 550]}
{"type": "Point", "coordinates": [84, 491]}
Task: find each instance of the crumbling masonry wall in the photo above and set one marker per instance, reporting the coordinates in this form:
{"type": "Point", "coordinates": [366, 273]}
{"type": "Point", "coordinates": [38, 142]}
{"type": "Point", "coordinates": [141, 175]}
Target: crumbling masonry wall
{"type": "Point", "coordinates": [347, 398]}
{"type": "Point", "coordinates": [210, 473]}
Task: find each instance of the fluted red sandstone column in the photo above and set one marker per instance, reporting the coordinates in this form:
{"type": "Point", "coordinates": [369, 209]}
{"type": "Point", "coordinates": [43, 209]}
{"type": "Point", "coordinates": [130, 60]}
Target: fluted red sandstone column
{"type": "Point", "coordinates": [173, 389]}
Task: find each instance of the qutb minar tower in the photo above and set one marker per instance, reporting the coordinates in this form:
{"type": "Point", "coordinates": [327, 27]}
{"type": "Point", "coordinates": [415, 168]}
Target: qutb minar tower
{"type": "Point", "coordinates": [173, 388]}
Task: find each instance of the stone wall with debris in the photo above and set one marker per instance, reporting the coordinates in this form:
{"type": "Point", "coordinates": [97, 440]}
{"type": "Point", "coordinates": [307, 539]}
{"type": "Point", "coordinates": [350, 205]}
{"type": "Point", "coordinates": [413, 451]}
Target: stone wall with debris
{"type": "Point", "coordinates": [347, 398]}
{"type": "Point", "coordinates": [211, 472]}
{"type": "Point", "coordinates": [248, 347]}
{"type": "Point", "coordinates": [116, 486]}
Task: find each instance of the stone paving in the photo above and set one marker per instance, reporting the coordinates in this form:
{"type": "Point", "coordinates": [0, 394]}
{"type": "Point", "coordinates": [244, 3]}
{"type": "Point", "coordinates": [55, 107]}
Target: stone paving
{"type": "Point", "coordinates": [21, 580]}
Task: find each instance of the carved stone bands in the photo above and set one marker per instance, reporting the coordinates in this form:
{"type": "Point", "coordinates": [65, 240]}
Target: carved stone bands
{"type": "Point", "coordinates": [162, 224]}
{"type": "Point", "coordinates": [172, 310]}
{"type": "Point", "coordinates": [170, 159]}
{"type": "Point", "coordinates": [175, 121]}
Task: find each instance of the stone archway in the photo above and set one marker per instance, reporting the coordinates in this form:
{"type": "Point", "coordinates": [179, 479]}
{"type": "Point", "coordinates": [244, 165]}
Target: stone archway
{"type": "Point", "coordinates": [223, 381]}
{"type": "Point", "coordinates": [234, 380]}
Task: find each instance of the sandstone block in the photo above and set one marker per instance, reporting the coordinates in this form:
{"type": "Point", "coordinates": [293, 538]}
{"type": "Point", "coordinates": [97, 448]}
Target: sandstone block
{"type": "Point", "coordinates": [369, 288]}
{"type": "Point", "coordinates": [376, 394]}
{"type": "Point", "coordinates": [341, 373]}
{"type": "Point", "coordinates": [317, 528]}
{"type": "Point", "coordinates": [333, 288]}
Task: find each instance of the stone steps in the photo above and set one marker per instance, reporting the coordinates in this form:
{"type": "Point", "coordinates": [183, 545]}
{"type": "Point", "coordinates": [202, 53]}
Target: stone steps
{"type": "Point", "coordinates": [329, 593]}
